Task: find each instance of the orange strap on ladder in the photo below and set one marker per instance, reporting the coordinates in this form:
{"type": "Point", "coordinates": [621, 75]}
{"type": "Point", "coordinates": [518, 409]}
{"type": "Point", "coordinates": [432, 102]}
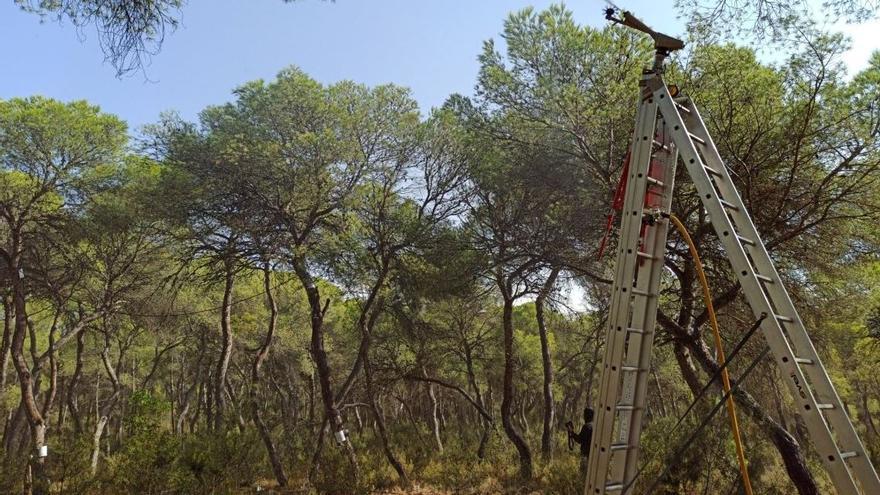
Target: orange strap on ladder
{"type": "Point", "coordinates": [616, 205]}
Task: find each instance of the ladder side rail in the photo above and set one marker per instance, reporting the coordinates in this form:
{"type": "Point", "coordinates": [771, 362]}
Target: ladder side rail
{"type": "Point", "coordinates": [637, 356]}
{"type": "Point", "coordinates": [656, 239]}
{"type": "Point", "coordinates": [832, 408]}
{"type": "Point", "coordinates": [755, 295]}
{"type": "Point", "coordinates": [619, 315]}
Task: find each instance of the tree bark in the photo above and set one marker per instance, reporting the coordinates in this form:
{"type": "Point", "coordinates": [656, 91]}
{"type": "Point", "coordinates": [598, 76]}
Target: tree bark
{"type": "Point", "coordinates": [549, 411]}
{"type": "Point", "coordinates": [522, 448]}
{"type": "Point", "coordinates": [319, 356]}
{"type": "Point", "coordinates": [4, 346]}
{"type": "Point", "coordinates": [225, 346]}
{"type": "Point", "coordinates": [25, 379]}
{"type": "Point", "coordinates": [787, 446]}
{"type": "Point", "coordinates": [71, 396]}
{"type": "Point", "coordinates": [435, 421]}
{"type": "Point", "coordinates": [380, 421]}
{"type": "Point", "coordinates": [472, 381]}
{"type": "Point", "coordinates": [262, 354]}
{"type": "Point", "coordinates": [96, 442]}
{"type": "Point", "coordinates": [366, 321]}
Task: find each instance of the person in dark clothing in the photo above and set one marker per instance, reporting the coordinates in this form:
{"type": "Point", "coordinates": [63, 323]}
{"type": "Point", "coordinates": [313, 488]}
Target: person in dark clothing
{"type": "Point", "coordinates": [584, 438]}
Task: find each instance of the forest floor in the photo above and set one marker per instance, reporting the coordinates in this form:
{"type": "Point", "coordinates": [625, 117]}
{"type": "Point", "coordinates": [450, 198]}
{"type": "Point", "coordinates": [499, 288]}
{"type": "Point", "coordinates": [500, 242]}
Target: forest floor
{"type": "Point", "coordinates": [489, 487]}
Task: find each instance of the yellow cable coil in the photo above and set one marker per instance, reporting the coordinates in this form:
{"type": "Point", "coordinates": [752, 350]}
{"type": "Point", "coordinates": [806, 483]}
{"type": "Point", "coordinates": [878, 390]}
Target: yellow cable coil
{"type": "Point", "coordinates": [719, 352]}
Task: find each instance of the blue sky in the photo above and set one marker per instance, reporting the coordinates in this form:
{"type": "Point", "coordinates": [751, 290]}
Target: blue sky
{"type": "Point", "coordinates": [428, 45]}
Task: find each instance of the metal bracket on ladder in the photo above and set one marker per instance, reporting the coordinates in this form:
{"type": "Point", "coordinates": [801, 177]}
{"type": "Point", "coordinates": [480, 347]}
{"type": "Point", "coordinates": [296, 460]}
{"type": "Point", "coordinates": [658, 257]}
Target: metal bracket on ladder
{"type": "Point", "coordinates": [667, 128]}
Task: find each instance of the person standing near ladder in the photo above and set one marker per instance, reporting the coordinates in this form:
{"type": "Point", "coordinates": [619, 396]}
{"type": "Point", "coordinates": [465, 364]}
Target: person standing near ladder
{"type": "Point", "coordinates": [584, 438]}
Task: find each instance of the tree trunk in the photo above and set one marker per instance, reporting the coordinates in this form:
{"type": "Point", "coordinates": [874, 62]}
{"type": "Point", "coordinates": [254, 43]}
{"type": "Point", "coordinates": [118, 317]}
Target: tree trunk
{"type": "Point", "coordinates": [225, 346]}
{"type": "Point", "coordinates": [262, 353]}
{"type": "Point", "coordinates": [787, 446]}
{"type": "Point", "coordinates": [319, 356]}
{"type": "Point", "coordinates": [366, 321]}
{"type": "Point", "coordinates": [435, 421]}
{"type": "Point", "coordinates": [96, 442]}
{"type": "Point", "coordinates": [549, 411]}
{"type": "Point", "coordinates": [522, 448]}
{"type": "Point", "coordinates": [25, 380]}
{"type": "Point", "coordinates": [4, 346]}
{"type": "Point", "coordinates": [380, 420]}
{"type": "Point", "coordinates": [72, 402]}
{"type": "Point", "coordinates": [41, 482]}
{"type": "Point", "coordinates": [478, 396]}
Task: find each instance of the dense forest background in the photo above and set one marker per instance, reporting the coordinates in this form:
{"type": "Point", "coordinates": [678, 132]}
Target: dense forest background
{"type": "Point", "coordinates": [202, 308]}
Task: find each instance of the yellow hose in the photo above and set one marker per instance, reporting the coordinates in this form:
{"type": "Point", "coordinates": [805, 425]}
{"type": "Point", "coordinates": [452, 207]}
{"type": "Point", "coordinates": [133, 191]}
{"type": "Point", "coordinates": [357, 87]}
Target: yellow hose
{"type": "Point", "coordinates": [719, 352]}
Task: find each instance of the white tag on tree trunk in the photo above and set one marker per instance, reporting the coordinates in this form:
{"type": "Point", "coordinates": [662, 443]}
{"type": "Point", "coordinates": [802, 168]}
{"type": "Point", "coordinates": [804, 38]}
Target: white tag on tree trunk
{"type": "Point", "coordinates": [340, 436]}
{"type": "Point", "coordinates": [44, 451]}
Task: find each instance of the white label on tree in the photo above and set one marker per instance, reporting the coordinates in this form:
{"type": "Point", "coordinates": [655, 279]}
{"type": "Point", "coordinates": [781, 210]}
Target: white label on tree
{"type": "Point", "coordinates": [44, 450]}
{"type": "Point", "coordinates": [340, 436]}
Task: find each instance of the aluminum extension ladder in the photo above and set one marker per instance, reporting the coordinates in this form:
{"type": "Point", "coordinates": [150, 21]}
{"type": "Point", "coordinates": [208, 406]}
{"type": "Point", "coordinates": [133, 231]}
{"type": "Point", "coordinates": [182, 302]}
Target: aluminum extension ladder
{"type": "Point", "coordinates": [667, 129]}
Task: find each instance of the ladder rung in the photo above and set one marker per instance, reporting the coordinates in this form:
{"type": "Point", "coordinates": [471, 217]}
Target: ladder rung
{"type": "Point", "coordinates": [712, 171]}
{"type": "Point", "coordinates": [619, 446]}
{"type": "Point", "coordinates": [746, 240]}
{"type": "Point", "coordinates": [632, 368]}
{"type": "Point", "coordinates": [626, 407]}
{"type": "Point", "coordinates": [659, 145]}
{"type": "Point", "coordinates": [825, 406]}
{"type": "Point", "coordinates": [638, 331]}
{"type": "Point", "coordinates": [783, 318]}
{"type": "Point", "coordinates": [681, 107]}
{"type": "Point", "coordinates": [697, 138]}
{"type": "Point", "coordinates": [640, 292]}
{"type": "Point", "coordinates": [847, 455]}
{"type": "Point", "coordinates": [642, 254]}
{"type": "Point", "coordinates": [614, 487]}
{"type": "Point", "coordinates": [655, 182]}
{"type": "Point", "coordinates": [803, 360]}
{"type": "Point", "coordinates": [728, 205]}
{"type": "Point", "coordinates": [764, 278]}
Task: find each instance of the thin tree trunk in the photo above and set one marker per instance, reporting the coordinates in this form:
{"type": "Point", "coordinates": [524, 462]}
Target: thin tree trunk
{"type": "Point", "coordinates": [522, 448]}
{"type": "Point", "coordinates": [14, 430]}
{"type": "Point", "coordinates": [8, 319]}
{"type": "Point", "coordinates": [225, 346]}
{"type": "Point", "coordinates": [366, 321]}
{"type": "Point", "coordinates": [72, 402]}
{"type": "Point", "coordinates": [472, 380]}
{"type": "Point", "coordinates": [96, 442]}
{"type": "Point", "coordinates": [549, 411]}
{"type": "Point", "coordinates": [435, 421]}
{"type": "Point", "coordinates": [261, 355]}
{"type": "Point", "coordinates": [380, 421]}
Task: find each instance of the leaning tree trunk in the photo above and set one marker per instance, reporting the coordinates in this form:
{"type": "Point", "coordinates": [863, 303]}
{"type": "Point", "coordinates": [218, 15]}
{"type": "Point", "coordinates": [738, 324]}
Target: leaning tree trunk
{"type": "Point", "coordinates": [549, 407]}
{"type": "Point", "coordinates": [225, 346]}
{"type": "Point", "coordinates": [788, 447]}
{"type": "Point", "coordinates": [380, 420]}
{"type": "Point", "coordinates": [319, 356]}
{"type": "Point", "coordinates": [478, 396]}
{"type": "Point", "coordinates": [522, 448]}
{"type": "Point", "coordinates": [262, 354]}
{"type": "Point", "coordinates": [25, 379]}
{"type": "Point", "coordinates": [366, 321]}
